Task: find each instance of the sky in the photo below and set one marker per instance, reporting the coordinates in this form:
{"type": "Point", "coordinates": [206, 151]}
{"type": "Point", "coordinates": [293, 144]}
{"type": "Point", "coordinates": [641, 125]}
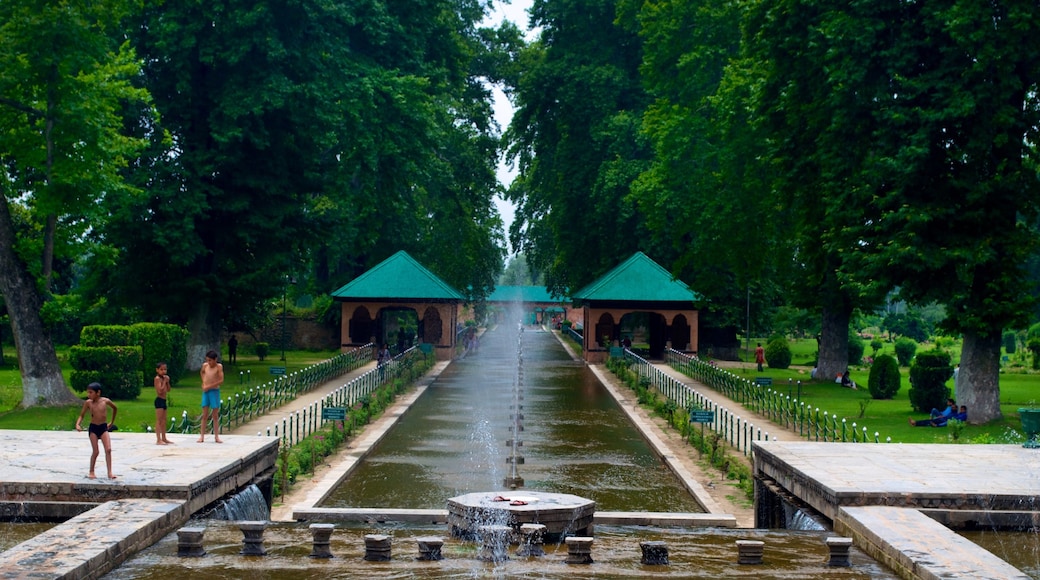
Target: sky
{"type": "Point", "coordinates": [516, 12]}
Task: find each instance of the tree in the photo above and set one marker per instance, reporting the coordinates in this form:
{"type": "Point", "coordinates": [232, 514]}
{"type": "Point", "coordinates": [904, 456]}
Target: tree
{"type": "Point", "coordinates": [705, 196]}
{"type": "Point", "coordinates": [308, 138]}
{"type": "Point", "coordinates": [952, 196]}
{"type": "Point", "coordinates": [65, 80]}
{"type": "Point", "coordinates": [575, 138]}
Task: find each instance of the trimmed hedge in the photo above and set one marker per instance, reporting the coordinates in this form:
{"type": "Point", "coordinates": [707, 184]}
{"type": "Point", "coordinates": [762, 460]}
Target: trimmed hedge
{"type": "Point", "coordinates": [905, 350]}
{"type": "Point", "coordinates": [117, 368]}
{"type": "Point", "coordinates": [884, 378]}
{"type": "Point", "coordinates": [158, 342]}
{"type": "Point", "coordinates": [161, 342]}
{"type": "Point", "coordinates": [928, 377]}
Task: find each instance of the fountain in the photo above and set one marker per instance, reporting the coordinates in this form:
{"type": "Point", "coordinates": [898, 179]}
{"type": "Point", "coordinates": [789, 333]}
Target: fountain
{"type": "Point", "coordinates": [562, 458]}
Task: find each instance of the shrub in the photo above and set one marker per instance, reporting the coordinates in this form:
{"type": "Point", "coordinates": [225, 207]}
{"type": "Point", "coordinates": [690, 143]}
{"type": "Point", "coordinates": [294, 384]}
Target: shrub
{"type": "Point", "coordinates": [876, 345]}
{"type": "Point", "coordinates": [1010, 342]}
{"type": "Point", "coordinates": [884, 378]}
{"type": "Point", "coordinates": [905, 350]}
{"type": "Point", "coordinates": [161, 342]}
{"type": "Point", "coordinates": [262, 348]}
{"type": "Point", "coordinates": [778, 353]}
{"type": "Point", "coordinates": [928, 377]}
{"type": "Point", "coordinates": [856, 348]}
{"type": "Point", "coordinates": [117, 368]}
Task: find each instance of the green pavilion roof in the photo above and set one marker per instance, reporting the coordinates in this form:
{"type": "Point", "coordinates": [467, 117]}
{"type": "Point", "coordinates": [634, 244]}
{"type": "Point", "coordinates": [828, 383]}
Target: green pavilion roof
{"type": "Point", "coordinates": [522, 294]}
{"type": "Point", "coordinates": [638, 279]}
{"type": "Point", "coordinates": [397, 277]}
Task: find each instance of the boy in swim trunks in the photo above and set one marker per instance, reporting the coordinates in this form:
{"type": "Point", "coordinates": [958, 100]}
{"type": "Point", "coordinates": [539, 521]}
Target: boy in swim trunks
{"type": "Point", "coordinates": [212, 374]}
{"type": "Point", "coordinates": [162, 388]}
{"type": "Point", "coordinates": [99, 428]}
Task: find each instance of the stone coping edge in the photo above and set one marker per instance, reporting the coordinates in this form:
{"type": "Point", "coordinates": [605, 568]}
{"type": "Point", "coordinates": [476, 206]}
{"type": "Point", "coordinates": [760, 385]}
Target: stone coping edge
{"type": "Point", "coordinates": [916, 546]}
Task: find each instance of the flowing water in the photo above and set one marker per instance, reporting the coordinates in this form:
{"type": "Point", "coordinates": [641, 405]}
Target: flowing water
{"type": "Point", "coordinates": [692, 554]}
{"type": "Point", "coordinates": [454, 439]}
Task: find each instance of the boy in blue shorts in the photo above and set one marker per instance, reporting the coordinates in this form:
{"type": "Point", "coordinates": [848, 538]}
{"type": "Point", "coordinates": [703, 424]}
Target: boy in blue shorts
{"type": "Point", "coordinates": [212, 374]}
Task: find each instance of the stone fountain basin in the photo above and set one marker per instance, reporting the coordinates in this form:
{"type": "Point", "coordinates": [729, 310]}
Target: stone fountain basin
{"type": "Point", "coordinates": [560, 513]}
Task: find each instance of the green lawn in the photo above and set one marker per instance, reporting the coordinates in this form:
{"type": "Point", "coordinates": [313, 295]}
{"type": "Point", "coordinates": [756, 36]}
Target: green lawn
{"type": "Point", "coordinates": [889, 417]}
{"type": "Point", "coordinates": [138, 414]}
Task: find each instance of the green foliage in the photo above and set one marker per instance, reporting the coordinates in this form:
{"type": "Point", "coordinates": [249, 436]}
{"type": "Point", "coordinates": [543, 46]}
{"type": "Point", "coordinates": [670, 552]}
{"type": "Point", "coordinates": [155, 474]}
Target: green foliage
{"type": "Point", "coordinates": [905, 350]}
{"type": "Point", "coordinates": [117, 368]}
{"type": "Point", "coordinates": [928, 376]}
{"type": "Point", "coordinates": [1010, 341]}
{"type": "Point", "coordinates": [158, 342]}
{"type": "Point", "coordinates": [875, 346]}
{"type": "Point", "coordinates": [778, 353]}
{"type": "Point", "coordinates": [908, 324]}
{"type": "Point", "coordinates": [884, 379]}
{"type": "Point", "coordinates": [261, 349]}
{"type": "Point", "coordinates": [1033, 344]}
{"type": "Point", "coordinates": [856, 348]}
{"type": "Point", "coordinates": [161, 342]}
{"type": "Point", "coordinates": [100, 335]}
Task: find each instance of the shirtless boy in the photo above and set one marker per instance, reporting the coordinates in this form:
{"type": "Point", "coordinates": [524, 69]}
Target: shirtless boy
{"type": "Point", "coordinates": [99, 427]}
{"type": "Point", "coordinates": [162, 388]}
{"type": "Point", "coordinates": [212, 374]}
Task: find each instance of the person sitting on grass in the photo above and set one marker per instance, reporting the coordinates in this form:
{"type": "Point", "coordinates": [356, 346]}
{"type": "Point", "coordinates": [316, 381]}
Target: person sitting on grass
{"type": "Point", "coordinates": [941, 420]}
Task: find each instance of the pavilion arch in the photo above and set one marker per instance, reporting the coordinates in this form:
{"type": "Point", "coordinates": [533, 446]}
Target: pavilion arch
{"type": "Point", "coordinates": [360, 328]}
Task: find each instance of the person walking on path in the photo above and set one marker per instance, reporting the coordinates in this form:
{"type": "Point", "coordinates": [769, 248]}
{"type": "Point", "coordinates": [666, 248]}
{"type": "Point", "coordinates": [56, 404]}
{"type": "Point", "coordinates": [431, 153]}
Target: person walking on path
{"type": "Point", "coordinates": [99, 426]}
{"type": "Point", "coordinates": [232, 349]}
{"type": "Point", "coordinates": [161, 382]}
{"type": "Point", "coordinates": [212, 374]}
{"type": "Point", "coordinates": [760, 356]}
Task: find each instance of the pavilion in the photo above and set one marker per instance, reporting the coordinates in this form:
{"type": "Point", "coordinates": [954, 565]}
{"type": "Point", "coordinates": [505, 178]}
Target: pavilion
{"type": "Point", "coordinates": [384, 303]}
{"type": "Point", "coordinates": [642, 301]}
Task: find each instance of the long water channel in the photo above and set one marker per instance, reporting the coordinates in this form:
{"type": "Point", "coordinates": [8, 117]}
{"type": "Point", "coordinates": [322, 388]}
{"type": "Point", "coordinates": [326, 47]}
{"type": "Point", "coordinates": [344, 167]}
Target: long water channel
{"type": "Point", "coordinates": [575, 439]}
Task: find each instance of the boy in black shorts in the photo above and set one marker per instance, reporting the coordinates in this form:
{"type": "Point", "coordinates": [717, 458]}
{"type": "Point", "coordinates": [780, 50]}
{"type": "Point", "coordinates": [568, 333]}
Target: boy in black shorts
{"type": "Point", "coordinates": [99, 427]}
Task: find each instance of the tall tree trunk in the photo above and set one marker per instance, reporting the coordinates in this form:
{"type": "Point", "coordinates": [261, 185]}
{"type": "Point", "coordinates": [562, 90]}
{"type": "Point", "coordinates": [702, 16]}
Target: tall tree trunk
{"type": "Point", "coordinates": [42, 382]}
{"type": "Point", "coordinates": [204, 328]}
{"type": "Point", "coordinates": [834, 342]}
{"type": "Point", "coordinates": [978, 381]}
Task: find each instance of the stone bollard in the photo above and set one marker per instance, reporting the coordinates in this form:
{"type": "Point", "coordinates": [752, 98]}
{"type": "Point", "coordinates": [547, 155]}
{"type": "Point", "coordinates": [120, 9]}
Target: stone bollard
{"type": "Point", "coordinates": [532, 537]}
{"type": "Point", "coordinates": [579, 549]}
{"type": "Point", "coordinates": [655, 553]}
{"type": "Point", "coordinates": [189, 542]}
{"type": "Point", "coordinates": [377, 548]}
{"type": "Point", "coordinates": [430, 548]}
{"type": "Point", "coordinates": [494, 543]}
{"type": "Point", "coordinates": [252, 538]}
{"type": "Point", "coordinates": [321, 535]}
{"type": "Point", "coordinates": [750, 551]}
{"type": "Point", "coordinates": [839, 548]}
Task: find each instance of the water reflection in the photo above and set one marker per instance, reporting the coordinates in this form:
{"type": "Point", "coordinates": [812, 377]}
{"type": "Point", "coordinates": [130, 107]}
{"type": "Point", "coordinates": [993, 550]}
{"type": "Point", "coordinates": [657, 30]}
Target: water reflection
{"type": "Point", "coordinates": [575, 439]}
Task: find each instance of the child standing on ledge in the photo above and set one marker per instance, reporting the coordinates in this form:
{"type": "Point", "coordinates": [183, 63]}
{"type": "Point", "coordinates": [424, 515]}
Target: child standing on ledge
{"type": "Point", "coordinates": [212, 374]}
{"type": "Point", "coordinates": [162, 388]}
{"type": "Point", "coordinates": [99, 427]}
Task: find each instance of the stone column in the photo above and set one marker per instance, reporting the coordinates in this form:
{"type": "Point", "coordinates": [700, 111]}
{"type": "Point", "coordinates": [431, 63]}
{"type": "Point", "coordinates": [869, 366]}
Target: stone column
{"type": "Point", "coordinates": [430, 548]}
{"type": "Point", "coordinates": [253, 538]}
{"type": "Point", "coordinates": [189, 542]}
{"type": "Point", "coordinates": [377, 548]}
{"type": "Point", "coordinates": [531, 540]}
{"type": "Point", "coordinates": [321, 535]}
{"type": "Point", "coordinates": [654, 553]}
{"type": "Point", "coordinates": [839, 548]}
{"type": "Point", "coordinates": [750, 551]}
{"type": "Point", "coordinates": [579, 549]}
